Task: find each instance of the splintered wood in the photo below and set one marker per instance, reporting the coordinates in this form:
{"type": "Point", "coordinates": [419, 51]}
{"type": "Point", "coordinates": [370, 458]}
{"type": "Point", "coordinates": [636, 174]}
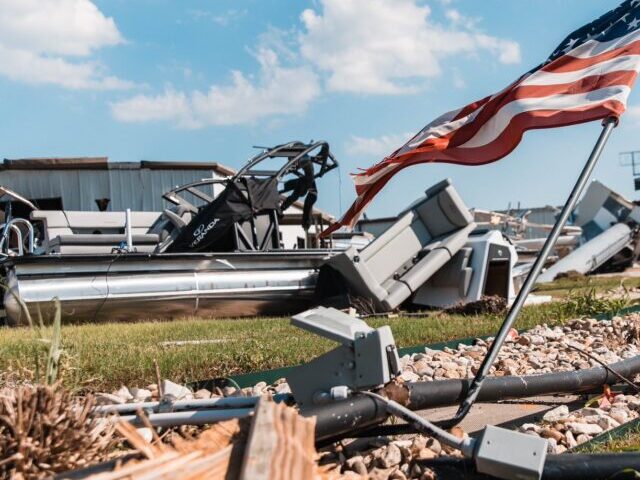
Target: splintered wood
{"type": "Point", "coordinates": [278, 445]}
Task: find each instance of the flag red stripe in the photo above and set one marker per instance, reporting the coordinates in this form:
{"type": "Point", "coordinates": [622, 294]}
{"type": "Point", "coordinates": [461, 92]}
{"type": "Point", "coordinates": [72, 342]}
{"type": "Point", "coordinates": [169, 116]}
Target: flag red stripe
{"type": "Point", "coordinates": [497, 149]}
{"type": "Point", "coordinates": [568, 63]}
{"type": "Point", "coordinates": [466, 132]}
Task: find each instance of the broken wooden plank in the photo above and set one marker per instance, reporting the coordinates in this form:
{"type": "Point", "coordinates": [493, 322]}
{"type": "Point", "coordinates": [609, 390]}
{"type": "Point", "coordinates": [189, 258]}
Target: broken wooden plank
{"type": "Point", "coordinates": [280, 444]}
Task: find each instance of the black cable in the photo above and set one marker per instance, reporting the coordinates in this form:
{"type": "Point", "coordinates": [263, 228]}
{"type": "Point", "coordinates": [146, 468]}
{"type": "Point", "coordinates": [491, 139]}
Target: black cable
{"type": "Point", "coordinates": [106, 280]}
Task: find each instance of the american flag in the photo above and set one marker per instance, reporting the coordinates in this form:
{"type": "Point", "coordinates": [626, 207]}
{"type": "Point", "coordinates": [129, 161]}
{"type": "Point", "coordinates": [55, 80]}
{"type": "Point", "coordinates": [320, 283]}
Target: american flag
{"type": "Point", "coordinates": [588, 77]}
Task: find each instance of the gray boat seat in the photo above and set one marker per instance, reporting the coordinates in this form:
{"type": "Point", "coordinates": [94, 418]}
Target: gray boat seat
{"type": "Point", "coordinates": [78, 232]}
{"type": "Point", "coordinates": [423, 239]}
{"type": "Point", "coordinates": [169, 224]}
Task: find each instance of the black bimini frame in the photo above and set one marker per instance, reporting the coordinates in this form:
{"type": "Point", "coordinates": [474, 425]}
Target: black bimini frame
{"type": "Point", "coordinates": [294, 154]}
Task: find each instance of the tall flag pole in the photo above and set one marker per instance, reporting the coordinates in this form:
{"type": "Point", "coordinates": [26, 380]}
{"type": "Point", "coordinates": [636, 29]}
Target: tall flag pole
{"type": "Point", "coordinates": [472, 394]}
{"type": "Point", "coordinates": [588, 77]}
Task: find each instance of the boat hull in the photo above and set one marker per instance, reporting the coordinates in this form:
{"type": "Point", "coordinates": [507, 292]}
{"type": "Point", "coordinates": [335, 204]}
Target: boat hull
{"type": "Point", "coordinates": [99, 288]}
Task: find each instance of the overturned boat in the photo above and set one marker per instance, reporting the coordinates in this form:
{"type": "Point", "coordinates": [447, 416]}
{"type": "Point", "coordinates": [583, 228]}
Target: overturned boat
{"type": "Point", "coordinates": [218, 251]}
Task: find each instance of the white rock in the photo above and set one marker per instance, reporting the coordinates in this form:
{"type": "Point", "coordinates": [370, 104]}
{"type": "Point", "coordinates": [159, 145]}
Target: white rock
{"type": "Point", "coordinates": [588, 411]}
{"type": "Point", "coordinates": [607, 423]}
{"type": "Point", "coordinates": [556, 414]}
{"type": "Point", "coordinates": [634, 403]}
{"type": "Point", "coordinates": [259, 389]}
{"type": "Point", "coordinates": [619, 415]}
{"type": "Point", "coordinates": [283, 388]}
{"type": "Point", "coordinates": [570, 439]}
{"type": "Point", "coordinates": [409, 376]}
{"type": "Point", "coordinates": [537, 340]}
{"type": "Point", "coordinates": [124, 394]}
{"type": "Point", "coordinates": [141, 394]}
{"type": "Point", "coordinates": [531, 427]}
{"type": "Point", "coordinates": [202, 394]}
{"type": "Point", "coordinates": [584, 428]}
{"type": "Point", "coordinates": [145, 433]}
{"type": "Point", "coordinates": [390, 457]}
{"type": "Point", "coordinates": [582, 438]}
{"type": "Point", "coordinates": [172, 391]}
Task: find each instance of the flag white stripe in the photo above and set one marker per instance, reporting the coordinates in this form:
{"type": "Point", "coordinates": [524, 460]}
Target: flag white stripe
{"type": "Point", "coordinates": [492, 129]}
{"type": "Point", "coordinates": [363, 180]}
{"type": "Point", "coordinates": [626, 63]}
{"type": "Point", "coordinates": [441, 130]}
{"type": "Point", "coordinates": [592, 48]}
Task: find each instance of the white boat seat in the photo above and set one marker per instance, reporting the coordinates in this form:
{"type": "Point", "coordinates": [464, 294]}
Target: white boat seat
{"type": "Point", "coordinates": [93, 232]}
{"type": "Point", "coordinates": [424, 238]}
{"type": "Point", "coordinates": [87, 243]}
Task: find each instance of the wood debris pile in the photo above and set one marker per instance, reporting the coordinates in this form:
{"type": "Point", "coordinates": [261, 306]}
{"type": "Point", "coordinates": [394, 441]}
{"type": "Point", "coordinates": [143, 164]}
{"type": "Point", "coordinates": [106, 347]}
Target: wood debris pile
{"type": "Point", "coordinates": [43, 431]}
{"type": "Point", "coordinates": [276, 443]}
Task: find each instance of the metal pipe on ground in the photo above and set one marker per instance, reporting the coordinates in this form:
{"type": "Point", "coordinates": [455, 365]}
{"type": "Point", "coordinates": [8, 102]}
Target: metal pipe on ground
{"type": "Point", "coordinates": [339, 419]}
{"type": "Point", "coordinates": [192, 417]}
{"type": "Point", "coordinates": [556, 467]}
{"type": "Point", "coordinates": [194, 404]}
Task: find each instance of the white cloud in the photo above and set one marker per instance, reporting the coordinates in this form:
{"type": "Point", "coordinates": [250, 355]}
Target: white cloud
{"type": "Point", "coordinates": [38, 38]}
{"type": "Point", "coordinates": [278, 90]}
{"type": "Point", "coordinates": [222, 19]}
{"type": "Point", "coordinates": [388, 46]}
{"type": "Point", "coordinates": [376, 147]}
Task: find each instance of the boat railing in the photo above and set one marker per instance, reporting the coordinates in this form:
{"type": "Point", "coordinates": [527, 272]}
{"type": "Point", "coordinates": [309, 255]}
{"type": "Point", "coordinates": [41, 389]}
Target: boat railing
{"type": "Point", "coordinates": [12, 226]}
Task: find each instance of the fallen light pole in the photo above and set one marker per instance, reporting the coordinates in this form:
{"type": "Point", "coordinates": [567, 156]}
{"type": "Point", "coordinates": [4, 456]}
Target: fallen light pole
{"type": "Point", "coordinates": [346, 417]}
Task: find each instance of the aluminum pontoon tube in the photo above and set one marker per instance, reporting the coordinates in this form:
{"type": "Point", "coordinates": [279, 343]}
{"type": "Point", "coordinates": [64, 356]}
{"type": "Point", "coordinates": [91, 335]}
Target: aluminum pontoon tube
{"type": "Point", "coordinates": [340, 418]}
{"type": "Point", "coordinates": [130, 286]}
{"type": "Point", "coordinates": [556, 467]}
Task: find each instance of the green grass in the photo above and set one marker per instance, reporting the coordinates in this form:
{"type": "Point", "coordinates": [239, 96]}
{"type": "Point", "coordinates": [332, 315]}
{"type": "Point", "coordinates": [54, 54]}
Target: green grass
{"type": "Point", "coordinates": [105, 356]}
{"type": "Point", "coordinates": [561, 287]}
{"type": "Point", "coordinates": [627, 442]}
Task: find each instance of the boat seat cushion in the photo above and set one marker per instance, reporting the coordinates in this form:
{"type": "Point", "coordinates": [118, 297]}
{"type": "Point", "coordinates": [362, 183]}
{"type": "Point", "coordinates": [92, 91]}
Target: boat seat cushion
{"type": "Point", "coordinates": [87, 243]}
{"type": "Point", "coordinates": [410, 251]}
{"type": "Point", "coordinates": [101, 229]}
{"type": "Point", "coordinates": [88, 239]}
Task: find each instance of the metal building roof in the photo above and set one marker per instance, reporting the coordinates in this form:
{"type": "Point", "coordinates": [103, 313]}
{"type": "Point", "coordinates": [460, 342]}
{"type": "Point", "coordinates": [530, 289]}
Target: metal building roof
{"type": "Point", "coordinates": [103, 163]}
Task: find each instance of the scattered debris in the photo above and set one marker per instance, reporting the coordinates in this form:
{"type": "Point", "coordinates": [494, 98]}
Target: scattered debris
{"type": "Point", "coordinates": [570, 275]}
{"type": "Point", "coordinates": [492, 304]}
{"type": "Point", "coordinates": [44, 431]}
{"type": "Point", "coordinates": [275, 444]}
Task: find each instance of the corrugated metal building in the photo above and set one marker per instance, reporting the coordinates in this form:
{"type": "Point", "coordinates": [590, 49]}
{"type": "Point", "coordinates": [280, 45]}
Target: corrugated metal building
{"type": "Point", "coordinates": [80, 183]}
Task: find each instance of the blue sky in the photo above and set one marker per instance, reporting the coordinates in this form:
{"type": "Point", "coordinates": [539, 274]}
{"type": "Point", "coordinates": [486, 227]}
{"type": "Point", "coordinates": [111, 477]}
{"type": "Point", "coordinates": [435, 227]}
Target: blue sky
{"type": "Point", "coordinates": [206, 80]}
